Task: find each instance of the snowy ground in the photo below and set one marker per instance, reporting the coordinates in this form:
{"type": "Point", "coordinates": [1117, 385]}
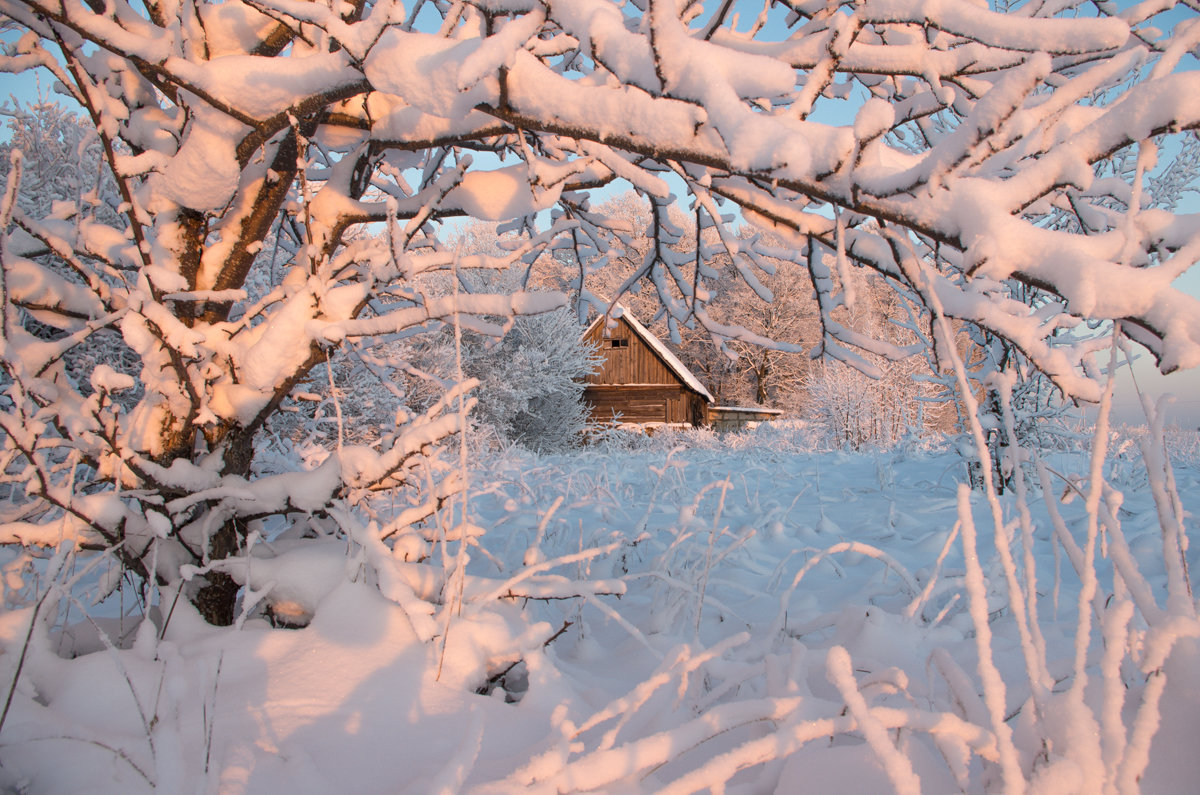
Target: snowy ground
{"type": "Point", "coordinates": [861, 676]}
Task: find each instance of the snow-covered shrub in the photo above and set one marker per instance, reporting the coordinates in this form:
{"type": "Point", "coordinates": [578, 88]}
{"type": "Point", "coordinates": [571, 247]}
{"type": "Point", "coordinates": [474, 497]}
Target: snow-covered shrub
{"type": "Point", "coordinates": [62, 159]}
{"type": "Point", "coordinates": [531, 380]}
{"type": "Point", "coordinates": [62, 166]}
{"type": "Point", "coordinates": [547, 356]}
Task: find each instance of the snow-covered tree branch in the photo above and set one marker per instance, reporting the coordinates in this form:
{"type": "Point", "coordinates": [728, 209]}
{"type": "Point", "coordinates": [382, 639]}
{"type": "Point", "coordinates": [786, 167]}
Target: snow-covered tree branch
{"type": "Point", "coordinates": [252, 144]}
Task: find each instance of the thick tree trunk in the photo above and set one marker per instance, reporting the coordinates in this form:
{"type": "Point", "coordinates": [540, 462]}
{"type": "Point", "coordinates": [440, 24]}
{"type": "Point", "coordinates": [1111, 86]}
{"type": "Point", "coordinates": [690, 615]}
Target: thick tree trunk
{"type": "Point", "coordinates": [217, 601]}
{"type": "Point", "coordinates": [761, 373]}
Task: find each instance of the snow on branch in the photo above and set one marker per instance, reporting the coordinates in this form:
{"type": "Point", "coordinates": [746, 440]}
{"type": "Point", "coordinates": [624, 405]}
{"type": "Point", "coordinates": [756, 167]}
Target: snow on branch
{"type": "Point", "coordinates": [218, 233]}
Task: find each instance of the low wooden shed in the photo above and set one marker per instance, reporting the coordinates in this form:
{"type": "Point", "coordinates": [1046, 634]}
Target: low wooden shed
{"type": "Point", "coordinates": [640, 381]}
{"type": "Point", "coordinates": [735, 418]}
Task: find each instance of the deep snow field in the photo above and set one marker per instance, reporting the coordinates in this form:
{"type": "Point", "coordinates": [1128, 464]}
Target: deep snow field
{"type": "Point", "coordinates": [691, 612]}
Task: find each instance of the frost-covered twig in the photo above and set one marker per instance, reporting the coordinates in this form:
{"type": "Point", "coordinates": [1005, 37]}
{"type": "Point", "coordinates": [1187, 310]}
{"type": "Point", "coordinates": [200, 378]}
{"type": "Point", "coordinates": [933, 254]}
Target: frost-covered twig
{"type": "Point", "coordinates": [898, 767]}
{"type": "Point", "coordinates": [505, 588]}
{"type": "Point", "coordinates": [7, 204]}
{"type": "Point", "coordinates": [844, 546]}
{"type": "Point", "coordinates": [914, 607]}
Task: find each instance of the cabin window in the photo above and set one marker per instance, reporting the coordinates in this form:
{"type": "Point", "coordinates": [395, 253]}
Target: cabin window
{"type": "Point", "coordinates": [618, 343]}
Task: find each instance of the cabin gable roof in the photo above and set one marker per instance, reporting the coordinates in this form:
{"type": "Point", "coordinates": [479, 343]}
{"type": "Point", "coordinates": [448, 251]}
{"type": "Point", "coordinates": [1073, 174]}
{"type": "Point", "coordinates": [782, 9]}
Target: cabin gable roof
{"type": "Point", "coordinates": [656, 347]}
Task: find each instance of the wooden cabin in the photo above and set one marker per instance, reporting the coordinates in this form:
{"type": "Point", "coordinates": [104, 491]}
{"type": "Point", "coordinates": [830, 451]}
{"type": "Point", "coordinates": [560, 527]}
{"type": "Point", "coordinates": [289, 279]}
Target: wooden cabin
{"type": "Point", "coordinates": [640, 381]}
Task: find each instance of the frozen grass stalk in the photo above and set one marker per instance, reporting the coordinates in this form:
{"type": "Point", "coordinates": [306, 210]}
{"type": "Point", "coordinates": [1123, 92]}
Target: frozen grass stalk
{"type": "Point", "coordinates": [993, 683]}
{"type": "Point", "coordinates": [708, 555]}
{"type": "Point", "coordinates": [1083, 741]}
{"type": "Point", "coordinates": [897, 765]}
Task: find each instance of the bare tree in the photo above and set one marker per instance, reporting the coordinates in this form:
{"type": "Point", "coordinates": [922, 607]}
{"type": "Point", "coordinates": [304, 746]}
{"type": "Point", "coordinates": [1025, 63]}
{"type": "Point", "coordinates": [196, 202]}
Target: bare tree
{"type": "Point", "coordinates": [898, 397]}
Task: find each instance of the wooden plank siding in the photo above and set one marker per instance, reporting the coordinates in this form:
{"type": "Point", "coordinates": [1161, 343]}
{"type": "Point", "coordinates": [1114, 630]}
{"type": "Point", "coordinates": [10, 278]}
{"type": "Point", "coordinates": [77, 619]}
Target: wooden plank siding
{"type": "Point", "coordinates": [635, 364]}
{"type": "Point", "coordinates": [639, 403]}
{"type": "Point", "coordinates": [634, 383]}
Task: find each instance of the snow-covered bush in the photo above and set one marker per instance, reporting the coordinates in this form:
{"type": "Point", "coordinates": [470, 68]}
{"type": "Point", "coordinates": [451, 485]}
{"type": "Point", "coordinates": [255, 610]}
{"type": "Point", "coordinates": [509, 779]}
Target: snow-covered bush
{"type": "Point", "coordinates": [531, 380]}
{"type": "Point", "coordinates": [62, 159]}
{"type": "Point", "coordinates": [531, 383]}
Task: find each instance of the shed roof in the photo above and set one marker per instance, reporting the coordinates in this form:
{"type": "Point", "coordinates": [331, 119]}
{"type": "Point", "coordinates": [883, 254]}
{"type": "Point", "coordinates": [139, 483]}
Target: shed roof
{"type": "Point", "coordinates": [669, 359]}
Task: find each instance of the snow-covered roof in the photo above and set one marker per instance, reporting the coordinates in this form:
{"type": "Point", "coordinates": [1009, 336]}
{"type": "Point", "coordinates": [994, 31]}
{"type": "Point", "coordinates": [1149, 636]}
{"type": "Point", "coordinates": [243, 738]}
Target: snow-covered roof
{"type": "Point", "coordinates": [748, 409]}
{"type": "Point", "coordinates": [669, 359]}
